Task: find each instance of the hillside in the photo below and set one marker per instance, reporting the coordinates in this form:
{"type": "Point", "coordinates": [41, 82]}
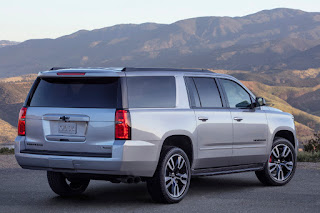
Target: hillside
{"type": "Point", "coordinates": [13, 92]}
{"type": "Point", "coordinates": [289, 78]}
{"type": "Point", "coordinates": [309, 102]}
{"type": "Point", "coordinates": [7, 132]}
{"type": "Point", "coordinates": [265, 41]}
{"type": "Point", "coordinates": [310, 57]}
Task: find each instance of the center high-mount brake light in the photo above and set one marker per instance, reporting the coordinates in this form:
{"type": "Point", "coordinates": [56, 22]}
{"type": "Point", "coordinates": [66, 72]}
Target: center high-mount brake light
{"type": "Point", "coordinates": [122, 125]}
{"type": "Point", "coordinates": [71, 73]}
{"type": "Point", "coordinates": [22, 122]}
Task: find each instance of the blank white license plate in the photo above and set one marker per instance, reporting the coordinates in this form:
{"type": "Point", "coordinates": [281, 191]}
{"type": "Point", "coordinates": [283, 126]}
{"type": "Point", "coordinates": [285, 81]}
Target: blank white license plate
{"type": "Point", "coordinates": [69, 128]}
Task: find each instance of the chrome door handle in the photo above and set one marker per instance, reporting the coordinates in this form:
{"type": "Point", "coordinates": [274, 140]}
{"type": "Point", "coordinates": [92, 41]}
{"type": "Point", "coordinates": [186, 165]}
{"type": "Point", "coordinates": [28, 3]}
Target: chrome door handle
{"type": "Point", "coordinates": [237, 119]}
{"type": "Point", "coordinates": [201, 118]}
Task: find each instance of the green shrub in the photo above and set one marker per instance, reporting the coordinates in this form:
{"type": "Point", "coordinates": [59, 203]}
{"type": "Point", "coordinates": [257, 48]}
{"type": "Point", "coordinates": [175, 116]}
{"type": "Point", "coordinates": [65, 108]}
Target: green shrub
{"type": "Point", "coordinates": [309, 156]}
{"type": "Point", "coordinates": [313, 145]}
{"type": "Point", "coordinates": [6, 151]}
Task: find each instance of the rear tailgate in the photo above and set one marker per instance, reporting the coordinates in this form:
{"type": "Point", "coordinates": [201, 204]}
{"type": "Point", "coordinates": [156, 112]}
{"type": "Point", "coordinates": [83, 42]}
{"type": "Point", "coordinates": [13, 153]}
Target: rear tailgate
{"type": "Point", "coordinates": [73, 116]}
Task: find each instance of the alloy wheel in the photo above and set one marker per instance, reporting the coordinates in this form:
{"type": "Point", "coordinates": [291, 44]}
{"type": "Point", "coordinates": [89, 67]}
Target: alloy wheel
{"type": "Point", "coordinates": [176, 176]}
{"type": "Point", "coordinates": [281, 162]}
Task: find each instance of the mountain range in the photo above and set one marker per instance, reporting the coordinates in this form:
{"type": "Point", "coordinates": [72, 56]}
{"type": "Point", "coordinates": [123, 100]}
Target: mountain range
{"type": "Point", "coordinates": [275, 39]}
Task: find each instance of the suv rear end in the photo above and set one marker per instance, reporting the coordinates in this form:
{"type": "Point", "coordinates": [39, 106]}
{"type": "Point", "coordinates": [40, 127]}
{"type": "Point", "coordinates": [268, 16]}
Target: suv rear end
{"type": "Point", "coordinates": [75, 121]}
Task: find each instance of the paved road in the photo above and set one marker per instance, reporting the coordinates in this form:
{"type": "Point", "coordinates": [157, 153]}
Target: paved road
{"type": "Point", "coordinates": [28, 191]}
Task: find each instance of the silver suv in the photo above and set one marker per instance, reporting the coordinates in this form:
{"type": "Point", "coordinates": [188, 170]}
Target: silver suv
{"type": "Point", "coordinates": [159, 126]}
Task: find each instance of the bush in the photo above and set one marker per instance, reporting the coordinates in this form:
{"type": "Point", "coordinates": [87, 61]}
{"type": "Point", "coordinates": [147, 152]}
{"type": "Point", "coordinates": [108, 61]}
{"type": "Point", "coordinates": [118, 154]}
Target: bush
{"type": "Point", "coordinates": [313, 145]}
{"type": "Point", "coordinates": [311, 151]}
{"type": "Point", "coordinates": [6, 151]}
{"type": "Point", "coordinates": [309, 156]}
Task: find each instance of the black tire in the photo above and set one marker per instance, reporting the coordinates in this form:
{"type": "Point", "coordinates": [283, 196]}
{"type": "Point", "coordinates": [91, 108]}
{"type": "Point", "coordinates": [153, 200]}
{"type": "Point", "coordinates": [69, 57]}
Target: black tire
{"type": "Point", "coordinates": [265, 175]}
{"type": "Point", "coordinates": [157, 184]}
{"type": "Point", "coordinates": [65, 187]}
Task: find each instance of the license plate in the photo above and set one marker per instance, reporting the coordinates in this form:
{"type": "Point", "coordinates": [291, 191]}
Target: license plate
{"type": "Point", "coordinates": [69, 128]}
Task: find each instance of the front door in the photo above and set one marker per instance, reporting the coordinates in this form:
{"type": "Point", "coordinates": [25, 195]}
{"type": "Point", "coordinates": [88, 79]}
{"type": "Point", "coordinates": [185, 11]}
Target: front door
{"type": "Point", "coordinates": [250, 127]}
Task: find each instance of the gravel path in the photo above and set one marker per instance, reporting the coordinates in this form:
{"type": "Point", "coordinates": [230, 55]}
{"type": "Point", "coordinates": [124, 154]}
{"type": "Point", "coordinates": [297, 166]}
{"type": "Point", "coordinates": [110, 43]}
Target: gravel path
{"type": "Point", "coordinates": [8, 161]}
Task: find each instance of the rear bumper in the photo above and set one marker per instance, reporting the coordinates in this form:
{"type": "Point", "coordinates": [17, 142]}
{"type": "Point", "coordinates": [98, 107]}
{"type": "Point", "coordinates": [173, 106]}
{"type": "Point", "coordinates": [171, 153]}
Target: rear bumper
{"type": "Point", "coordinates": [136, 158]}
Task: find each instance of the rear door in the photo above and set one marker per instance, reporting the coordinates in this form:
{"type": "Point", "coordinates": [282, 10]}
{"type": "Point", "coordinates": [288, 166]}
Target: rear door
{"type": "Point", "coordinates": [73, 115]}
{"type": "Point", "coordinates": [250, 127]}
{"type": "Point", "coordinates": [214, 125]}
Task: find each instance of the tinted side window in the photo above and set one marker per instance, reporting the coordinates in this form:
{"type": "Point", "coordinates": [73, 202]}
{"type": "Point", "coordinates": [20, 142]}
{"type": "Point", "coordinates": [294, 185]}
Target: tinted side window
{"type": "Point", "coordinates": [151, 92]}
{"type": "Point", "coordinates": [192, 92]}
{"type": "Point", "coordinates": [208, 92]}
{"type": "Point", "coordinates": [236, 95]}
{"type": "Point", "coordinates": [76, 93]}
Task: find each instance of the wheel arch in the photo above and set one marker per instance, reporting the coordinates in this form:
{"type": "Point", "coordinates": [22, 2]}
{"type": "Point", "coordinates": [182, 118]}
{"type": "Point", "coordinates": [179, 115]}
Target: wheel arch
{"type": "Point", "coordinates": [287, 134]}
{"type": "Point", "coordinates": [183, 142]}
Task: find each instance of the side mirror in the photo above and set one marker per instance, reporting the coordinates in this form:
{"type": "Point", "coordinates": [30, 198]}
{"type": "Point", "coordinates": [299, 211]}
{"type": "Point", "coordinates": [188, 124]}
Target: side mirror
{"type": "Point", "coordinates": [260, 101]}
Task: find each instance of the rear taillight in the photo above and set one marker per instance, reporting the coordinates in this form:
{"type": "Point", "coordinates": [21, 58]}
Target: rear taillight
{"type": "Point", "coordinates": [122, 125]}
{"type": "Point", "coordinates": [22, 121]}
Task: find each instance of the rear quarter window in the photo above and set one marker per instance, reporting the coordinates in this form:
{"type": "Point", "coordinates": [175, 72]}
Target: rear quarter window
{"type": "Point", "coordinates": [76, 93]}
{"type": "Point", "coordinates": [151, 92]}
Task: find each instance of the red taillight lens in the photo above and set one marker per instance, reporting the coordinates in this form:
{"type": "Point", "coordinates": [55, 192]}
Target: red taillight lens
{"type": "Point", "coordinates": [122, 125]}
{"type": "Point", "coordinates": [22, 121]}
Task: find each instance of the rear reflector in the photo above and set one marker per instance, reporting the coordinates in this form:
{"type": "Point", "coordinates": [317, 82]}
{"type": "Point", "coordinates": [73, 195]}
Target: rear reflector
{"type": "Point", "coordinates": [71, 73]}
{"type": "Point", "coordinates": [122, 125]}
{"type": "Point", "coordinates": [22, 122]}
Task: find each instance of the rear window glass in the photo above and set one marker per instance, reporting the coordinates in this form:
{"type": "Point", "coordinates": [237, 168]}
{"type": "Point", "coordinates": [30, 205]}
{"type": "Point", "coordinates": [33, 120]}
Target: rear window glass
{"type": "Point", "coordinates": [76, 93]}
{"type": "Point", "coordinates": [151, 92]}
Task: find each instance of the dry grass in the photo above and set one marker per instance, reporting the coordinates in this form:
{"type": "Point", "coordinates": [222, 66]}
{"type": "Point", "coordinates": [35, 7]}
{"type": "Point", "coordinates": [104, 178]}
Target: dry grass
{"type": "Point", "coordinates": [29, 77]}
{"type": "Point", "coordinates": [7, 132]}
{"type": "Point", "coordinates": [309, 73]}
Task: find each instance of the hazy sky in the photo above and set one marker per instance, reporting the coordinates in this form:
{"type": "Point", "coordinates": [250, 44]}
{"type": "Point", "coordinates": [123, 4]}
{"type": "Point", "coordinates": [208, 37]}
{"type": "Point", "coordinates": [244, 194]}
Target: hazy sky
{"type": "Point", "coordinates": [26, 19]}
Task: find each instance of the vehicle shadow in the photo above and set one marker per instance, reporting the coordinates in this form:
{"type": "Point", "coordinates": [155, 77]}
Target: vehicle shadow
{"type": "Point", "coordinates": [223, 184]}
{"type": "Point", "coordinates": [116, 194]}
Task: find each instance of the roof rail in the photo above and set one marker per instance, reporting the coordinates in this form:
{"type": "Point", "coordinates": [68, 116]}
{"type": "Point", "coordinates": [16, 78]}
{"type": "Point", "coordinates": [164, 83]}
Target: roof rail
{"type": "Point", "coordinates": [129, 69]}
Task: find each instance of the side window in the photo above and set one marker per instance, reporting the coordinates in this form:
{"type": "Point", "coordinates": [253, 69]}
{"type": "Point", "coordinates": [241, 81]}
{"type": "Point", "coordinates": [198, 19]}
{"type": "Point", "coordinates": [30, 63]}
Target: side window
{"type": "Point", "coordinates": [192, 91]}
{"type": "Point", "coordinates": [208, 92]}
{"type": "Point", "coordinates": [151, 92]}
{"type": "Point", "coordinates": [236, 95]}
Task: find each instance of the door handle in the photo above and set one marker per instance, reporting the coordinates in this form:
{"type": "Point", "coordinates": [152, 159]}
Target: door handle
{"type": "Point", "coordinates": [237, 119]}
{"type": "Point", "coordinates": [202, 118]}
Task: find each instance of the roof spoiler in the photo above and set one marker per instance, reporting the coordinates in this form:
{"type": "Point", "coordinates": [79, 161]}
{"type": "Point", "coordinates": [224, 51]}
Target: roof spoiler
{"type": "Point", "coordinates": [60, 68]}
